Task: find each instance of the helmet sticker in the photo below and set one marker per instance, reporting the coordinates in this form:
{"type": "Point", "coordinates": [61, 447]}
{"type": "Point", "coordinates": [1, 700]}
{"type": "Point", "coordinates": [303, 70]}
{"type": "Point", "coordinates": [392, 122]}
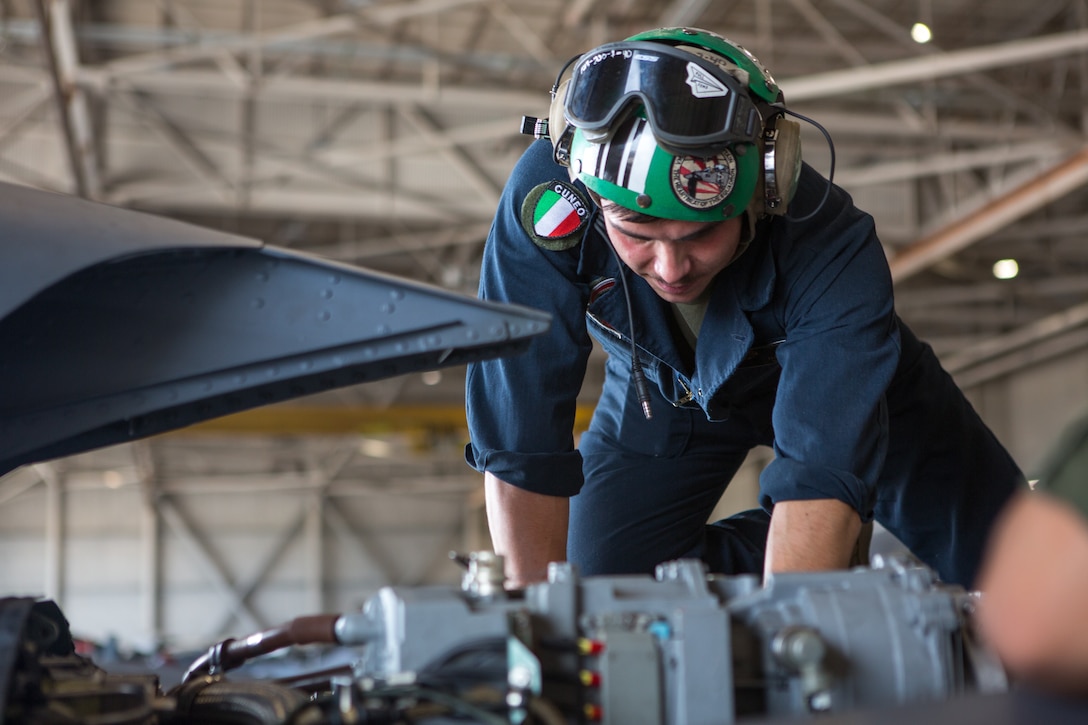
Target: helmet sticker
{"type": "Point", "coordinates": [554, 214]}
{"type": "Point", "coordinates": [704, 85]}
{"type": "Point", "coordinates": [702, 183]}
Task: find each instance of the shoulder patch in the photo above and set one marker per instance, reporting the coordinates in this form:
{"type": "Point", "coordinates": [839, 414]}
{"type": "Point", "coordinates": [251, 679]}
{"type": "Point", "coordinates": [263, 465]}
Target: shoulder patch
{"type": "Point", "coordinates": [554, 215]}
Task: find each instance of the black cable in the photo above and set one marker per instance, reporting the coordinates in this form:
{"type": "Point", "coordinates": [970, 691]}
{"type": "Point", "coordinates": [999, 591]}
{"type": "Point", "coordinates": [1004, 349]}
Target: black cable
{"type": "Point", "coordinates": [488, 645]}
{"type": "Point", "coordinates": [319, 702]}
{"type": "Point", "coordinates": [456, 705]}
{"type": "Point", "coordinates": [642, 391]}
{"type": "Point", "coordinates": [471, 663]}
{"type": "Point", "coordinates": [831, 170]}
{"type": "Point", "coordinates": [560, 644]}
{"type": "Point", "coordinates": [559, 77]}
{"type": "Point", "coordinates": [395, 710]}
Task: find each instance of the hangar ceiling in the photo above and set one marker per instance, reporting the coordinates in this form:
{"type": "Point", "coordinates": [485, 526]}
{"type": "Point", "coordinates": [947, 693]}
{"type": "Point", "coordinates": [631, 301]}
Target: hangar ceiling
{"type": "Point", "coordinates": [379, 132]}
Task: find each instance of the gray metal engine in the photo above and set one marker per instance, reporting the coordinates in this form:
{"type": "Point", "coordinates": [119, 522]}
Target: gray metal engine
{"type": "Point", "coordinates": [682, 648]}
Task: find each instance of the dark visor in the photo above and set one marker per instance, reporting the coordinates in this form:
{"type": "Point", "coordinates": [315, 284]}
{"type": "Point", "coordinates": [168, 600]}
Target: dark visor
{"type": "Point", "coordinates": [691, 104]}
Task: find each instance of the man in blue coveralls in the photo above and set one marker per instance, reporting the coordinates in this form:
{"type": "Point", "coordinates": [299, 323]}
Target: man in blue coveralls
{"type": "Point", "coordinates": [742, 300]}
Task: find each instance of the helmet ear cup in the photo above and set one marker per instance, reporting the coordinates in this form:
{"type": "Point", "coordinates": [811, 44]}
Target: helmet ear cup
{"type": "Point", "coordinates": [557, 122]}
{"type": "Point", "coordinates": [559, 131]}
{"type": "Point", "coordinates": [781, 164]}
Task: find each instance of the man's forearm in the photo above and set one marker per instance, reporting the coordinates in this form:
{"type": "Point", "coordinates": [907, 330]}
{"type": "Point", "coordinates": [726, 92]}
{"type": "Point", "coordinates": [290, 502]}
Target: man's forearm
{"type": "Point", "coordinates": [811, 536]}
{"type": "Point", "coordinates": [528, 529]}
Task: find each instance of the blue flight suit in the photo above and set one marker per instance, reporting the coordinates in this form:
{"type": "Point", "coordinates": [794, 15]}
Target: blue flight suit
{"type": "Point", "coordinates": [800, 349]}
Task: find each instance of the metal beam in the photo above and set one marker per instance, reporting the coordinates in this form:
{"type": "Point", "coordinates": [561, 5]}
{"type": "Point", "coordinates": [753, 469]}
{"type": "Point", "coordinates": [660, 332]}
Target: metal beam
{"type": "Point", "coordinates": [215, 572]}
{"type": "Point", "coordinates": [297, 89]}
{"type": "Point", "coordinates": [1067, 344]}
{"type": "Point", "coordinates": [55, 497]}
{"type": "Point", "coordinates": [996, 292]}
{"type": "Point", "coordinates": [899, 34]}
{"type": "Point", "coordinates": [321, 473]}
{"type": "Point", "coordinates": [345, 419]}
{"type": "Point", "coordinates": [403, 478]}
{"type": "Point", "coordinates": [1026, 336]}
{"type": "Point", "coordinates": [314, 516]}
{"type": "Point", "coordinates": [524, 35]}
{"type": "Point", "coordinates": [576, 12]}
{"type": "Point", "coordinates": [17, 483]}
{"type": "Point", "coordinates": [343, 24]}
{"type": "Point", "coordinates": [802, 88]}
{"type": "Point", "coordinates": [877, 126]}
{"type": "Point", "coordinates": [245, 589]}
{"type": "Point", "coordinates": [831, 35]}
{"type": "Point", "coordinates": [20, 173]}
{"type": "Point", "coordinates": [390, 13]}
{"type": "Point", "coordinates": [426, 127]}
{"type": "Point", "coordinates": [440, 561]}
{"type": "Point", "coordinates": [1053, 336]}
{"type": "Point", "coordinates": [247, 121]}
{"type": "Point", "coordinates": [1052, 184]}
{"type": "Point", "coordinates": [151, 539]}
{"type": "Point", "coordinates": [360, 250]}
{"type": "Point", "coordinates": [200, 163]}
{"type": "Point", "coordinates": [938, 65]}
{"type": "Point", "coordinates": [946, 163]}
{"type": "Point", "coordinates": [365, 544]}
{"type": "Point", "coordinates": [682, 12]}
{"type": "Point", "coordinates": [210, 48]}
{"type": "Point", "coordinates": [32, 101]}
{"type": "Point", "coordinates": [385, 204]}
{"type": "Point", "coordinates": [993, 318]}
{"type": "Point", "coordinates": [58, 40]}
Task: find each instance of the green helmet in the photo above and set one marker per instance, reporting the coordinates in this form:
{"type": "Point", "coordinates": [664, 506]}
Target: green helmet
{"type": "Point", "coordinates": [670, 123]}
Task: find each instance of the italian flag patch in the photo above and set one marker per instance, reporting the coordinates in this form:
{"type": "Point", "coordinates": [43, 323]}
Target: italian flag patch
{"type": "Point", "coordinates": [554, 215]}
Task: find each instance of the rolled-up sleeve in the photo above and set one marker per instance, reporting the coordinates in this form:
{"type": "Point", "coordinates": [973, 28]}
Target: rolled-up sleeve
{"type": "Point", "coordinates": [521, 409]}
{"type": "Point", "coordinates": [839, 357]}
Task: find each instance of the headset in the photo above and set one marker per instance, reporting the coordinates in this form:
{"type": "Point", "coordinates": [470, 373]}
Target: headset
{"type": "Point", "coordinates": [723, 143]}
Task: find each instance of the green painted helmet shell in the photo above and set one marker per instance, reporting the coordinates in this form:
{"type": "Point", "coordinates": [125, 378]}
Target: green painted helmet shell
{"type": "Point", "coordinates": [633, 171]}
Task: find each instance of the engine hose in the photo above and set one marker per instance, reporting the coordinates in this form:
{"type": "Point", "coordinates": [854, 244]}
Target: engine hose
{"type": "Point", "coordinates": [231, 653]}
{"type": "Point", "coordinates": [237, 703]}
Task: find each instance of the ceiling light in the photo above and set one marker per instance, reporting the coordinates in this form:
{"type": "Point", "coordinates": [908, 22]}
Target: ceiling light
{"type": "Point", "coordinates": [376, 448]}
{"type": "Point", "coordinates": [431, 377]}
{"type": "Point", "coordinates": [1006, 268]}
{"type": "Point", "coordinates": [921, 33]}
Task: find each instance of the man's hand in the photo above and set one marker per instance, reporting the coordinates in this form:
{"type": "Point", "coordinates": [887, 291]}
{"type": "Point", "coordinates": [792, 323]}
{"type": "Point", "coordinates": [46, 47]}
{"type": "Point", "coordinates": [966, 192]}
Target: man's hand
{"type": "Point", "coordinates": [528, 529]}
{"type": "Point", "coordinates": [811, 536]}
